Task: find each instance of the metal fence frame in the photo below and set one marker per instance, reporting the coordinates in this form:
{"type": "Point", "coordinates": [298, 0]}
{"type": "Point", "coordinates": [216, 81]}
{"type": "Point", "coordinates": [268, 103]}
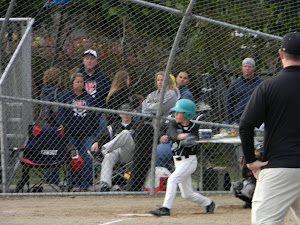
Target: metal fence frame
{"type": "Point", "coordinates": [16, 72]}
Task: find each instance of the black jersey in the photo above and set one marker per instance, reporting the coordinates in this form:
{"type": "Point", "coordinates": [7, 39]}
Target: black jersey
{"type": "Point", "coordinates": [276, 103]}
{"type": "Point", "coordinates": [177, 128]}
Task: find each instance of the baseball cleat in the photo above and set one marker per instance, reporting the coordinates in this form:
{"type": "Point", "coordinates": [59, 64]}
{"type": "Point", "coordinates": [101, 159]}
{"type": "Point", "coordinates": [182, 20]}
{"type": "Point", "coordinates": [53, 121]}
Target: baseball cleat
{"type": "Point", "coordinates": [162, 211]}
{"type": "Point", "coordinates": [210, 209]}
{"type": "Point", "coordinates": [246, 205]}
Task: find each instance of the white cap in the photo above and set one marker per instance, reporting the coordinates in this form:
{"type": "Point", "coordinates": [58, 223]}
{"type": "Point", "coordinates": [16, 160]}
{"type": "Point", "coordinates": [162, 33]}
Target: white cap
{"type": "Point", "coordinates": [91, 52]}
{"type": "Point", "coordinates": [248, 61]}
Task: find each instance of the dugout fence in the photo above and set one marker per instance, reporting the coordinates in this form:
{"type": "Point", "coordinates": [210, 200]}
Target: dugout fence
{"type": "Point", "coordinates": [207, 39]}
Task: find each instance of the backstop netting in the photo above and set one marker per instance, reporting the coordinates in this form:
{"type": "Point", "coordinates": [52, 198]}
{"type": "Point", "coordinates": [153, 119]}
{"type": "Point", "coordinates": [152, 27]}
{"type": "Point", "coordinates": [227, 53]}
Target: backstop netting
{"type": "Point", "coordinates": [131, 42]}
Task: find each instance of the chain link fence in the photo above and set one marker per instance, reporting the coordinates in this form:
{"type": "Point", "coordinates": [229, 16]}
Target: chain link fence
{"type": "Point", "coordinates": [79, 62]}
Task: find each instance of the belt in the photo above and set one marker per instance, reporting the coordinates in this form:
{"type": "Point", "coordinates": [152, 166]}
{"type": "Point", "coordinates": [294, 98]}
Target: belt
{"type": "Point", "coordinates": [182, 157]}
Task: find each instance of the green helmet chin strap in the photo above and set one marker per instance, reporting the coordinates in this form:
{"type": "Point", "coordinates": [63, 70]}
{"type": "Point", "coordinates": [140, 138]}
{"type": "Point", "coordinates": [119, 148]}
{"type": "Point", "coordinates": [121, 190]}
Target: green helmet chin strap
{"type": "Point", "coordinates": [187, 106]}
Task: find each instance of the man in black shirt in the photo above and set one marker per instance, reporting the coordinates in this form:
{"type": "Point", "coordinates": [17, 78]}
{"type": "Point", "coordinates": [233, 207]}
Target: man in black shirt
{"type": "Point", "coordinates": [276, 103]}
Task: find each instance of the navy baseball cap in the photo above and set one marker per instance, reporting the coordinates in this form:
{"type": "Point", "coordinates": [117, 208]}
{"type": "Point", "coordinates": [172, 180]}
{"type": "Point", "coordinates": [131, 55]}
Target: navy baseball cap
{"type": "Point", "coordinates": [291, 43]}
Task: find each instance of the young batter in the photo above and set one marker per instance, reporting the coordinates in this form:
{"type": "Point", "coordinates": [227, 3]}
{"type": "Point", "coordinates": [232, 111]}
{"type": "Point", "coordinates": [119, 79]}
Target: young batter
{"type": "Point", "coordinates": [184, 156]}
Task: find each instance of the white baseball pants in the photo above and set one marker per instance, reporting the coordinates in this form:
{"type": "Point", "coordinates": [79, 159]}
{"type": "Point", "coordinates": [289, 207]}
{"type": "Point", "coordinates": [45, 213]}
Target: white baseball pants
{"type": "Point", "coordinates": [182, 177]}
{"type": "Point", "coordinates": [277, 190]}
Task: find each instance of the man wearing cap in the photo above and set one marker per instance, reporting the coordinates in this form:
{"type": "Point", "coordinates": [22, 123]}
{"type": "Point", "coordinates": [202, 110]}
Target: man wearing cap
{"type": "Point", "coordinates": [97, 84]}
{"type": "Point", "coordinates": [240, 91]}
{"type": "Point", "coordinates": [275, 102]}
{"type": "Point", "coordinates": [182, 80]}
{"type": "Point", "coordinates": [117, 146]}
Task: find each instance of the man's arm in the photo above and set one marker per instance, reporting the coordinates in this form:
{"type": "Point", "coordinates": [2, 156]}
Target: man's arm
{"type": "Point", "coordinates": [247, 137]}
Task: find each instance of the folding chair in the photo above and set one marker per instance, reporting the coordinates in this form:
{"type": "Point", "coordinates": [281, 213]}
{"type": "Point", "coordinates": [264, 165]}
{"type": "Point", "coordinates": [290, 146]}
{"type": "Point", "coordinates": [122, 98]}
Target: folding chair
{"type": "Point", "coordinates": [45, 148]}
{"type": "Point", "coordinates": [120, 174]}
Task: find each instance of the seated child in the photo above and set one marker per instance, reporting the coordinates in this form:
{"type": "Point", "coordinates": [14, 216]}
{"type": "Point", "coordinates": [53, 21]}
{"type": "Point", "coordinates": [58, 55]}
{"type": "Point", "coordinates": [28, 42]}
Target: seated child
{"type": "Point", "coordinates": [118, 146]}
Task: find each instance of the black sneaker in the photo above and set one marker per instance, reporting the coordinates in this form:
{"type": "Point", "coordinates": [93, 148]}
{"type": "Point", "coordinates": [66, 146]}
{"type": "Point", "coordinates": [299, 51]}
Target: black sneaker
{"type": "Point", "coordinates": [210, 209]}
{"type": "Point", "coordinates": [104, 187]}
{"type": "Point", "coordinates": [162, 211]}
{"type": "Point", "coordinates": [246, 205]}
{"type": "Point", "coordinates": [96, 155]}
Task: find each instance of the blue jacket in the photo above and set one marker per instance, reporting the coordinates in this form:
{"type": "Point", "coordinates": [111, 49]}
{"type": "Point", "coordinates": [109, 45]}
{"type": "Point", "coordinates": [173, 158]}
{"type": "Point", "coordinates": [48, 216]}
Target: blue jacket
{"type": "Point", "coordinates": [77, 122]}
{"type": "Point", "coordinates": [97, 85]}
{"type": "Point", "coordinates": [186, 94]}
{"type": "Point", "coordinates": [238, 95]}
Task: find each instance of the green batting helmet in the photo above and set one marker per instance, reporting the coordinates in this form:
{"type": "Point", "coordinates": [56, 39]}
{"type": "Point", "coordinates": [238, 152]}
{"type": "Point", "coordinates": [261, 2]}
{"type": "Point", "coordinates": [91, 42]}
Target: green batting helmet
{"type": "Point", "coordinates": [187, 106]}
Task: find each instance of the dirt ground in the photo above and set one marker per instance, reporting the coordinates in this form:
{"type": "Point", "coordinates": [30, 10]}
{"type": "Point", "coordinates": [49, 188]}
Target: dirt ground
{"type": "Point", "coordinates": [119, 210]}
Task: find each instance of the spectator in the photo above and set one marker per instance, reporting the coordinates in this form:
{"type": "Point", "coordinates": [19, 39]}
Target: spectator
{"type": "Point", "coordinates": [79, 126]}
{"type": "Point", "coordinates": [238, 95]}
{"type": "Point", "coordinates": [118, 94]}
{"type": "Point", "coordinates": [275, 102]}
{"type": "Point", "coordinates": [150, 104]}
{"type": "Point", "coordinates": [97, 84]}
{"type": "Point", "coordinates": [137, 102]}
{"type": "Point", "coordinates": [240, 91]}
{"type": "Point", "coordinates": [182, 81]}
{"type": "Point", "coordinates": [117, 146]}
{"type": "Point", "coordinates": [51, 92]}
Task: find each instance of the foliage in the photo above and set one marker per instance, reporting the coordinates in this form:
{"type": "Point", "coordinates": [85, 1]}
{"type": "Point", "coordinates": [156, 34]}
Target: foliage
{"type": "Point", "coordinates": [139, 39]}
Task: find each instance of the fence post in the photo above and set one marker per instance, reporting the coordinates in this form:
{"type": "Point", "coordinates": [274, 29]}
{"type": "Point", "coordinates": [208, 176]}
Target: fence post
{"type": "Point", "coordinates": [3, 170]}
{"type": "Point", "coordinates": [4, 25]}
{"type": "Point", "coordinates": [163, 90]}
{"type": "Point", "coordinates": [3, 145]}
{"type": "Point", "coordinates": [25, 55]}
